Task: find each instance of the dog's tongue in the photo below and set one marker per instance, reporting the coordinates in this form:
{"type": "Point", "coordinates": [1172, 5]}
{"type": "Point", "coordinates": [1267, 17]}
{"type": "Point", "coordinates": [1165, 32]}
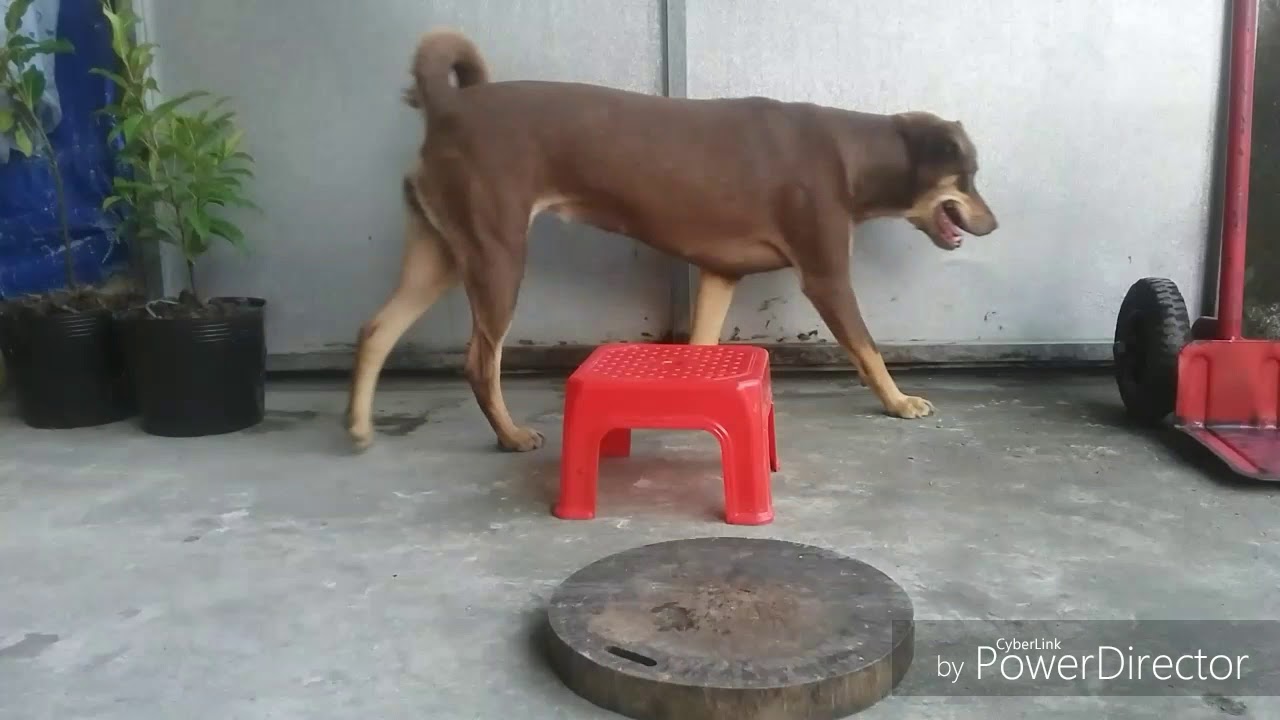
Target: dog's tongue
{"type": "Point", "coordinates": [949, 231]}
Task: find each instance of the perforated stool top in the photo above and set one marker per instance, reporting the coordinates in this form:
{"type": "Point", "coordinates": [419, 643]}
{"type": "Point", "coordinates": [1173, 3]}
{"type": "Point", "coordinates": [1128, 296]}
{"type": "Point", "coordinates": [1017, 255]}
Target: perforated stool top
{"type": "Point", "coordinates": [675, 363]}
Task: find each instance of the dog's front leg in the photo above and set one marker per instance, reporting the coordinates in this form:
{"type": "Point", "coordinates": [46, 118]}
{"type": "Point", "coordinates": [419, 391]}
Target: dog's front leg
{"type": "Point", "coordinates": [715, 294]}
{"type": "Point", "coordinates": [833, 297]}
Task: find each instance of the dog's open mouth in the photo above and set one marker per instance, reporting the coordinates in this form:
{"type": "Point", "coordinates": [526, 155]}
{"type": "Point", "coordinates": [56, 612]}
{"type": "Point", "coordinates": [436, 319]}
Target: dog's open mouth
{"type": "Point", "coordinates": [948, 220]}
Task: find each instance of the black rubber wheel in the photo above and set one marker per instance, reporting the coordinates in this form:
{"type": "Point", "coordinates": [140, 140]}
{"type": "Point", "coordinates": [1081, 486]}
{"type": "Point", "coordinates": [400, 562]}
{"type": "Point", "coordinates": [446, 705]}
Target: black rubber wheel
{"type": "Point", "coordinates": [1151, 330]}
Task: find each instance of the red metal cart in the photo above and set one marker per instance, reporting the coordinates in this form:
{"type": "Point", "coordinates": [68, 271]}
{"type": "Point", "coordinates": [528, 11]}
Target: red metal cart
{"type": "Point", "coordinates": [1223, 389]}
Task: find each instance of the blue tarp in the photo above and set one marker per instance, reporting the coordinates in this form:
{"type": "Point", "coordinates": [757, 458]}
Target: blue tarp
{"type": "Point", "coordinates": [31, 258]}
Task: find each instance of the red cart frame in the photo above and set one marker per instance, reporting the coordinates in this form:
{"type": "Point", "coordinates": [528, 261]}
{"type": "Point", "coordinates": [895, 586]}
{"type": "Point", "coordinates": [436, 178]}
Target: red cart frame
{"type": "Point", "coordinates": [1223, 389]}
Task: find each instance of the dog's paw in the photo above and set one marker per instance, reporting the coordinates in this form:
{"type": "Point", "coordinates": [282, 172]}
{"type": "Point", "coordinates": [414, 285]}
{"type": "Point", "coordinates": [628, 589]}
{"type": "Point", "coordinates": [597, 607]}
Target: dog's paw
{"type": "Point", "coordinates": [361, 435]}
{"type": "Point", "coordinates": [909, 408]}
{"type": "Point", "coordinates": [522, 440]}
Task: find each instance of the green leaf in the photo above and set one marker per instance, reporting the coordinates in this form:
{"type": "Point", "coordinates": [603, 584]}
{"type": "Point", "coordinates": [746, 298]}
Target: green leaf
{"type": "Point", "coordinates": [56, 46]}
{"type": "Point", "coordinates": [34, 83]}
{"type": "Point", "coordinates": [19, 57]}
{"type": "Point", "coordinates": [197, 245]}
{"type": "Point", "coordinates": [112, 76]}
{"type": "Point", "coordinates": [242, 203]}
{"type": "Point", "coordinates": [6, 120]}
{"type": "Point", "coordinates": [217, 103]}
{"type": "Point", "coordinates": [123, 185]}
{"type": "Point", "coordinates": [167, 236]}
{"type": "Point", "coordinates": [22, 141]}
{"type": "Point", "coordinates": [140, 57]}
{"type": "Point", "coordinates": [17, 53]}
{"type": "Point", "coordinates": [129, 127]}
{"type": "Point", "coordinates": [198, 221]}
{"type": "Point", "coordinates": [169, 106]}
{"type": "Point", "coordinates": [13, 18]}
{"type": "Point", "coordinates": [119, 31]}
{"type": "Point", "coordinates": [229, 232]}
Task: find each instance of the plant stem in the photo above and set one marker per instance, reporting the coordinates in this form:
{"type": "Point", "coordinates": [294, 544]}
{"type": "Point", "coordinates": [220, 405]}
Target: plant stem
{"type": "Point", "coordinates": [60, 191]}
{"type": "Point", "coordinates": [191, 279]}
{"type": "Point", "coordinates": [34, 123]}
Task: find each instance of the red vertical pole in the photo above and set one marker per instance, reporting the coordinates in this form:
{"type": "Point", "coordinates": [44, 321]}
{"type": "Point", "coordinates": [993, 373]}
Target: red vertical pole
{"type": "Point", "coordinates": [1244, 25]}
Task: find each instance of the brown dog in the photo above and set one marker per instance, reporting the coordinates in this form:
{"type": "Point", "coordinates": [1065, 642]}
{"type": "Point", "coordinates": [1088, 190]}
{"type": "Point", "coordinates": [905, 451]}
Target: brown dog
{"type": "Point", "coordinates": [733, 186]}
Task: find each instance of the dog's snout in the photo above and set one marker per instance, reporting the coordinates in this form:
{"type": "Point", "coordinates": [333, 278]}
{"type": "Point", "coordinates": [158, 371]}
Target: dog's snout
{"type": "Point", "coordinates": [981, 220]}
{"type": "Point", "coordinates": [985, 224]}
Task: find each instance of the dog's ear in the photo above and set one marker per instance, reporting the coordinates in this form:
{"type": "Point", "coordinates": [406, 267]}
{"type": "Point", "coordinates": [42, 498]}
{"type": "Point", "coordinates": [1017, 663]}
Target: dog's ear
{"type": "Point", "coordinates": [931, 141]}
{"type": "Point", "coordinates": [938, 147]}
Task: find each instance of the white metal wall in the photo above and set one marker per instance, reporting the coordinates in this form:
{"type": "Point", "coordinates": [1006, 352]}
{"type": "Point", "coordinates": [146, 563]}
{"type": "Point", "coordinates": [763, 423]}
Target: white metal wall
{"type": "Point", "coordinates": [317, 83]}
{"type": "Point", "coordinates": [1095, 120]}
{"type": "Point", "coordinates": [1095, 125]}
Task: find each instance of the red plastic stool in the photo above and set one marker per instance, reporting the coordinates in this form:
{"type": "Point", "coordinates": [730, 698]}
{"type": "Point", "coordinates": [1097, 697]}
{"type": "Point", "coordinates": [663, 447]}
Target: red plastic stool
{"type": "Point", "coordinates": [723, 389]}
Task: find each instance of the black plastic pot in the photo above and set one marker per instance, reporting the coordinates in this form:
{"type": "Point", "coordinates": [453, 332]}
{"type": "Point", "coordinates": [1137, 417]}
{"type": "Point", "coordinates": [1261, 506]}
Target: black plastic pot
{"type": "Point", "coordinates": [197, 377]}
{"type": "Point", "coordinates": [67, 371]}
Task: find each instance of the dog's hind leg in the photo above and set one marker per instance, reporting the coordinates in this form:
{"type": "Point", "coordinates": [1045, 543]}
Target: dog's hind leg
{"type": "Point", "coordinates": [492, 280]}
{"type": "Point", "coordinates": [715, 294]}
{"type": "Point", "coordinates": [427, 271]}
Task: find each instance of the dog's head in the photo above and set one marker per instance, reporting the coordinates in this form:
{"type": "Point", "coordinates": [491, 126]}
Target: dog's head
{"type": "Point", "coordinates": [945, 203]}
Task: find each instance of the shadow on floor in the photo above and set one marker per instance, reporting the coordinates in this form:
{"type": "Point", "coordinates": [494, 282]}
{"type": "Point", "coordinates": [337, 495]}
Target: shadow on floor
{"type": "Point", "coordinates": [682, 485]}
{"type": "Point", "coordinates": [1178, 446]}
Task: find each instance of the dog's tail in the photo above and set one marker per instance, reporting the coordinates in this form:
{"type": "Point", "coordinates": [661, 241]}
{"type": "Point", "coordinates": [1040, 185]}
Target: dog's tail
{"type": "Point", "coordinates": [441, 56]}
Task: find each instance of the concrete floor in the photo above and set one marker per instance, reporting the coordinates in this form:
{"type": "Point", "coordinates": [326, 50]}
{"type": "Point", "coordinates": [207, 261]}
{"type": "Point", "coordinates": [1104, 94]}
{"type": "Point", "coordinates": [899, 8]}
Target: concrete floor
{"type": "Point", "coordinates": [273, 574]}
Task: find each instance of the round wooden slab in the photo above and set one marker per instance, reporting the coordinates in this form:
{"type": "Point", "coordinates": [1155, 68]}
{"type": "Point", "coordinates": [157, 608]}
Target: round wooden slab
{"type": "Point", "coordinates": [731, 629]}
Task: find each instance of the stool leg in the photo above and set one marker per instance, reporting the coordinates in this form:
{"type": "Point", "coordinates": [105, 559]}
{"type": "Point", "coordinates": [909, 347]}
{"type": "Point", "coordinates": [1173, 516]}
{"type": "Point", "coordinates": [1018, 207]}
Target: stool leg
{"type": "Point", "coordinates": [748, 499]}
{"type": "Point", "coordinates": [774, 465]}
{"type": "Point", "coordinates": [579, 470]}
{"type": "Point", "coordinates": [617, 444]}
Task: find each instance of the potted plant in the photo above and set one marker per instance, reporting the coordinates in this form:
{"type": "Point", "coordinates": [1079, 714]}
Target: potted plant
{"type": "Point", "coordinates": [59, 347]}
{"type": "Point", "coordinates": [199, 364]}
